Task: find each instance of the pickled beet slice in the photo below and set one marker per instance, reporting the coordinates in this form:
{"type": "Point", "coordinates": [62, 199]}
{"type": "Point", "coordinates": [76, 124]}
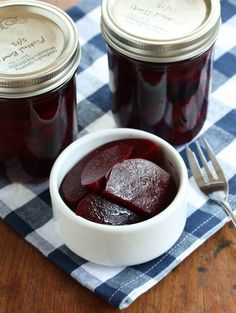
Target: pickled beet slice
{"type": "Point", "coordinates": [93, 174]}
{"type": "Point", "coordinates": [71, 189]}
{"type": "Point", "coordinates": [97, 209]}
{"type": "Point", "coordinates": [146, 149]}
{"type": "Point", "coordinates": [140, 185]}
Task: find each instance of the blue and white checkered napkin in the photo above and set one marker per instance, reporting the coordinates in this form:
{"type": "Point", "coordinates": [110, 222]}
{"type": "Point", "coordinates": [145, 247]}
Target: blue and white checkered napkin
{"type": "Point", "coordinates": [29, 210]}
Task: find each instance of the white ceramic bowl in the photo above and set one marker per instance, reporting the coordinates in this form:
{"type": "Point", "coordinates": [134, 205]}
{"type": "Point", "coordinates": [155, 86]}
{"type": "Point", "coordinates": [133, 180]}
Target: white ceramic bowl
{"type": "Point", "coordinates": [126, 244]}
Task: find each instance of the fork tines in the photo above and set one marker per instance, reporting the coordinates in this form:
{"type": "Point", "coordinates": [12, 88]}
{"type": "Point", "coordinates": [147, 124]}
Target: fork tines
{"type": "Point", "coordinates": [195, 168]}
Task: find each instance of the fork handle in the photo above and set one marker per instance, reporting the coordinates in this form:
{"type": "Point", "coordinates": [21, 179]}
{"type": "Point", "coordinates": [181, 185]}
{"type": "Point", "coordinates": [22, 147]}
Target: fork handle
{"type": "Point", "coordinates": [229, 211]}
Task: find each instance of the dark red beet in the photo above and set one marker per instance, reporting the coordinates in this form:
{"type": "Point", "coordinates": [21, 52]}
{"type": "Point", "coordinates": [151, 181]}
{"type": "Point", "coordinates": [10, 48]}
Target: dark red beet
{"type": "Point", "coordinates": [97, 209]}
{"type": "Point", "coordinates": [93, 174]}
{"type": "Point", "coordinates": [71, 189]}
{"type": "Point", "coordinates": [140, 185]}
{"type": "Point", "coordinates": [146, 149]}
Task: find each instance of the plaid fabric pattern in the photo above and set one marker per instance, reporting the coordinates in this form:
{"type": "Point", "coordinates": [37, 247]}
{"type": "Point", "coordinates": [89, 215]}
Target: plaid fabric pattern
{"type": "Point", "coordinates": [29, 211]}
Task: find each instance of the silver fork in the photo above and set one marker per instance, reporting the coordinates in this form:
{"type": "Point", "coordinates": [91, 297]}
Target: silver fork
{"type": "Point", "coordinates": [214, 185]}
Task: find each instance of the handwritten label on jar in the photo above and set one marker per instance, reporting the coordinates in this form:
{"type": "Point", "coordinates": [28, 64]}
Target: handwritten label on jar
{"type": "Point", "coordinates": [28, 43]}
{"type": "Point", "coordinates": [159, 19]}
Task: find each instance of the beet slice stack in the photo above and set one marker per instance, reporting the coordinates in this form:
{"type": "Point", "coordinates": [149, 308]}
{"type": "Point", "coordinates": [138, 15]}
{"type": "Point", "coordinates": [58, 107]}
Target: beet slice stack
{"type": "Point", "coordinates": [121, 182]}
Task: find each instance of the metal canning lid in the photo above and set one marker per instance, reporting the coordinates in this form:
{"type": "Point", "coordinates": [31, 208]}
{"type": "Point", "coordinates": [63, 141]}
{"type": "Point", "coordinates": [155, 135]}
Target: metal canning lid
{"type": "Point", "coordinates": [39, 48]}
{"type": "Point", "coordinates": [160, 30]}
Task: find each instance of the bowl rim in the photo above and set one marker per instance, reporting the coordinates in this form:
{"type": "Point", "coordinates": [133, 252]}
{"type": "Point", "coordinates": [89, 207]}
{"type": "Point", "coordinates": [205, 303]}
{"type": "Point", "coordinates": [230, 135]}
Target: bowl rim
{"type": "Point", "coordinates": [130, 133]}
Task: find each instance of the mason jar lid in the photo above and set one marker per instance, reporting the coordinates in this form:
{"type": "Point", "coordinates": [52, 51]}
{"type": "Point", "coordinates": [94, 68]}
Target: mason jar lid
{"type": "Point", "coordinates": [160, 30]}
{"type": "Point", "coordinates": [39, 48]}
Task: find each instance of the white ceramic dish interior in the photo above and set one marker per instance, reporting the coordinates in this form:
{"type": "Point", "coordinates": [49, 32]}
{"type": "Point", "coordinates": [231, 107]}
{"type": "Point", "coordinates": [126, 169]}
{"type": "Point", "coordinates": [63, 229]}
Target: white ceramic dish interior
{"type": "Point", "coordinates": [118, 245]}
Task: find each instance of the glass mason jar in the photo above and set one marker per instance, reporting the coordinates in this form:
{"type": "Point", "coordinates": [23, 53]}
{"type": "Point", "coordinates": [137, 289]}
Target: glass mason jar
{"type": "Point", "coordinates": [39, 57]}
{"type": "Point", "coordinates": [160, 62]}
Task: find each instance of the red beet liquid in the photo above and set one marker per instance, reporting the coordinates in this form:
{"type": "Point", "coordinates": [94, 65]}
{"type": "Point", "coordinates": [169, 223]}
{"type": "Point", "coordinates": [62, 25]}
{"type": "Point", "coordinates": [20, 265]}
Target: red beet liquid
{"type": "Point", "coordinates": [34, 131]}
{"type": "Point", "coordinates": [169, 100]}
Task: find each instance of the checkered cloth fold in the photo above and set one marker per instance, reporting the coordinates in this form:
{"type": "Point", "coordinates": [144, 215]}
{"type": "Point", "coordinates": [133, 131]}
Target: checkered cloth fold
{"type": "Point", "coordinates": [29, 210]}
